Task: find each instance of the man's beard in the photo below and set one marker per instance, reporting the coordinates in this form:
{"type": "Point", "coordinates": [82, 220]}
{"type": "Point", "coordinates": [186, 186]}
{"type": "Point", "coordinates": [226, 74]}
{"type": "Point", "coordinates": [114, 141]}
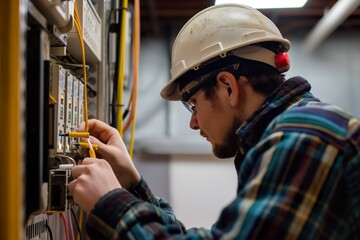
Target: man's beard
{"type": "Point", "coordinates": [230, 145]}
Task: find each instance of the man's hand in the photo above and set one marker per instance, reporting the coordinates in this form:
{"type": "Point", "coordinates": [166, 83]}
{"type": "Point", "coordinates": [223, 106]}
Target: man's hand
{"type": "Point", "coordinates": [92, 180]}
{"type": "Point", "coordinates": [113, 150]}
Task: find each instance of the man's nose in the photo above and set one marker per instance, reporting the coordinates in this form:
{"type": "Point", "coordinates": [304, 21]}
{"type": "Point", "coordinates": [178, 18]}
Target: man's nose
{"type": "Point", "coordinates": [194, 122]}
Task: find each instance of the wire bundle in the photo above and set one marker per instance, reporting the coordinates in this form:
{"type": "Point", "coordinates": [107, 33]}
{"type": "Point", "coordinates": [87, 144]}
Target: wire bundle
{"type": "Point", "coordinates": [135, 61]}
{"type": "Point", "coordinates": [121, 76]}
{"type": "Point", "coordinates": [68, 226]}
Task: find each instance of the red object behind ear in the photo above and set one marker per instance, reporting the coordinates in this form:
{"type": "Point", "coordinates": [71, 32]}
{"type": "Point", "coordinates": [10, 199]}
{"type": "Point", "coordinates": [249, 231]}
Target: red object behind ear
{"type": "Point", "coordinates": [282, 61]}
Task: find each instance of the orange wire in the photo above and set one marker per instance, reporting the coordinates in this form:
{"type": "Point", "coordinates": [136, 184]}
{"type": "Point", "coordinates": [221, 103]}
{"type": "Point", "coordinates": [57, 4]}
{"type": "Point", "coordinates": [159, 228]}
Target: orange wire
{"type": "Point", "coordinates": [135, 59]}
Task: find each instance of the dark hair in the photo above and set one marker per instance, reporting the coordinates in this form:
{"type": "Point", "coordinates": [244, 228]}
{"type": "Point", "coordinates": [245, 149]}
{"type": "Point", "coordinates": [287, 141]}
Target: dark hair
{"type": "Point", "coordinates": [263, 78]}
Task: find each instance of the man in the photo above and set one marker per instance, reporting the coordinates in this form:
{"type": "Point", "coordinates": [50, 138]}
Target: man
{"type": "Point", "coordinates": [297, 159]}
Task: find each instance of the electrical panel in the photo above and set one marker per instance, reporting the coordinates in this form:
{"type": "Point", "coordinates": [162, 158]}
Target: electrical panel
{"type": "Point", "coordinates": [91, 30]}
{"type": "Point", "coordinates": [60, 68]}
{"type": "Point", "coordinates": [66, 110]}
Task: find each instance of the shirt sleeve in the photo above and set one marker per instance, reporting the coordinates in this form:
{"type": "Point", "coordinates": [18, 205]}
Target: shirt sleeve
{"type": "Point", "coordinates": [142, 191]}
{"type": "Point", "coordinates": [135, 213]}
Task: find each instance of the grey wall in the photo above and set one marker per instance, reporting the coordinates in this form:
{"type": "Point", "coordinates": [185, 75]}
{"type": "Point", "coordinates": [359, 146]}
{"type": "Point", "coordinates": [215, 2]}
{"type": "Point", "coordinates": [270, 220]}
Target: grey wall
{"type": "Point", "coordinates": [333, 69]}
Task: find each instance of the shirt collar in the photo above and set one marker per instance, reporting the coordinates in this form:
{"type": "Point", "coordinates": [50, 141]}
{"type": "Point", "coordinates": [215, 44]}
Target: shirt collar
{"type": "Point", "coordinates": [284, 96]}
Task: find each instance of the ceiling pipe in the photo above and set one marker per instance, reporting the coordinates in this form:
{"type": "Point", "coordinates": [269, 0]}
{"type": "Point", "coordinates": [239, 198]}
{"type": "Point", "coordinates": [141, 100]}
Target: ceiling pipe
{"type": "Point", "coordinates": [59, 13]}
{"type": "Point", "coordinates": [329, 22]}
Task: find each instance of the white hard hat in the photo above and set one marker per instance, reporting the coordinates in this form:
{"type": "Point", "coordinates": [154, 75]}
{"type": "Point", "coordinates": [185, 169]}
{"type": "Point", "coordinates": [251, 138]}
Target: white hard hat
{"type": "Point", "coordinates": [214, 32]}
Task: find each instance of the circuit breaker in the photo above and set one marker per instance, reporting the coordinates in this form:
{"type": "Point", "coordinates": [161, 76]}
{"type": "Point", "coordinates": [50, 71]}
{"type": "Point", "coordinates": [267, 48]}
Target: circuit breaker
{"type": "Point", "coordinates": [59, 197]}
{"type": "Point", "coordinates": [69, 109]}
{"type": "Point", "coordinates": [57, 118]}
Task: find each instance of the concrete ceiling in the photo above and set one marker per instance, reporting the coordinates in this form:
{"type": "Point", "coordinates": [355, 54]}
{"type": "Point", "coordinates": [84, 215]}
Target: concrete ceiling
{"type": "Point", "coordinates": [157, 15]}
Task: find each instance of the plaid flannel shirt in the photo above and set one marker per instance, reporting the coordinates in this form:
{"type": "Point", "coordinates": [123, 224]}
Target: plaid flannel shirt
{"type": "Point", "coordinates": [298, 172]}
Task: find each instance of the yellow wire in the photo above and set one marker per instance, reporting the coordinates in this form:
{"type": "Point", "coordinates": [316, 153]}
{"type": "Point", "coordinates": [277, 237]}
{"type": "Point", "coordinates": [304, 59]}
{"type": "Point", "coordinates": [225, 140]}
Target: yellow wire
{"type": "Point", "coordinates": [79, 134]}
{"type": "Point", "coordinates": [121, 66]}
{"type": "Point", "coordinates": [86, 145]}
{"type": "Point", "coordinates": [81, 213]}
{"type": "Point", "coordinates": [136, 57]}
{"type": "Point", "coordinates": [79, 31]}
{"type": "Point", "coordinates": [53, 100]}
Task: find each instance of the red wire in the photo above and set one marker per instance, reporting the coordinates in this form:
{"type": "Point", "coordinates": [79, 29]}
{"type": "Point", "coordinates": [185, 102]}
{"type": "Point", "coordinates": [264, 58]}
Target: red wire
{"type": "Point", "coordinates": [65, 225]}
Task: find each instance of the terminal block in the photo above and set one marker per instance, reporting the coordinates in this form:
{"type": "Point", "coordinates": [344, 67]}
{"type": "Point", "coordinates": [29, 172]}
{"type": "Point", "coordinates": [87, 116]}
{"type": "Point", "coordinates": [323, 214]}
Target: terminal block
{"type": "Point", "coordinates": [59, 196]}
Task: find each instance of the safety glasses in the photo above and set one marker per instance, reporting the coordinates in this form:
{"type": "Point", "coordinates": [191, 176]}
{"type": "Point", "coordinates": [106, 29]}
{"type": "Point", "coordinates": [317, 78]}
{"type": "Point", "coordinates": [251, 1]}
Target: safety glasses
{"type": "Point", "coordinates": [193, 88]}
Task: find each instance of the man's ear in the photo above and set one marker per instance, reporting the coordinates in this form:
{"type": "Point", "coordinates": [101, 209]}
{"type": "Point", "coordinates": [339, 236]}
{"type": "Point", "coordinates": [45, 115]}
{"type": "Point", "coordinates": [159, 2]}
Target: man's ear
{"type": "Point", "coordinates": [228, 81]}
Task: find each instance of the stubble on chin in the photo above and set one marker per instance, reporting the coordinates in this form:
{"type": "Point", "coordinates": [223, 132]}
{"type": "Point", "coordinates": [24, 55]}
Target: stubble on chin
{"type": "Point", "coordinates": [227, 149]}
{"type": "Point", "coordinates": [230, 145]}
